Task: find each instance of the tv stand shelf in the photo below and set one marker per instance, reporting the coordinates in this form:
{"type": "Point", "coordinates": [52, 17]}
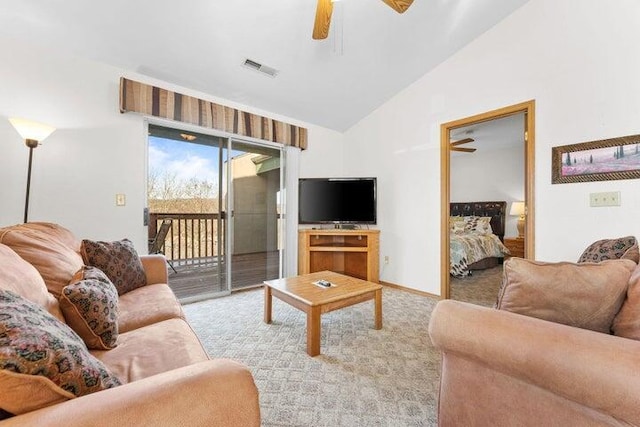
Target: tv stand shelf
{"type": "Point", "coordinates": [351, 252]}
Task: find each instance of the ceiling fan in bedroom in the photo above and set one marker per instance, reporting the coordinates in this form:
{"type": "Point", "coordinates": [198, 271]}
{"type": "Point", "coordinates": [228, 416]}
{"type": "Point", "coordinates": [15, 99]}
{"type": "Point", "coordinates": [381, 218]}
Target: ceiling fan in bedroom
{"type": "Point", "coordinates": [325, 8]}
{"type": "Point", "coordinates": [454, 145]}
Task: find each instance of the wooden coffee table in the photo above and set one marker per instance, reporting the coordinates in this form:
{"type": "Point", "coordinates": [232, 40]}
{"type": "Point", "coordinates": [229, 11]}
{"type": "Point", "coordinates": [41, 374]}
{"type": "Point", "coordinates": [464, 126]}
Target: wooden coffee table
{"type": "Point", "coordinates": [315, 300]}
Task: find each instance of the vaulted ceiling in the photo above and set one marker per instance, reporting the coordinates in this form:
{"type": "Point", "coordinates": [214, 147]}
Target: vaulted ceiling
{"type": "Point", "coordinates": [202, 44]}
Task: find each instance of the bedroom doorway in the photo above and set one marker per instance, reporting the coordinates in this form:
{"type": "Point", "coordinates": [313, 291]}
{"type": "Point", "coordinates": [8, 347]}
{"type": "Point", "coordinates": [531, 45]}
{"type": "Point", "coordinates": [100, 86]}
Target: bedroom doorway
{"type": "Point", "coordinates": [453, 135]}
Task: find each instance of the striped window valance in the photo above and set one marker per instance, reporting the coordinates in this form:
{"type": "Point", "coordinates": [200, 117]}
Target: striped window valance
{"type": "Point", "coordinates": [153, 101]}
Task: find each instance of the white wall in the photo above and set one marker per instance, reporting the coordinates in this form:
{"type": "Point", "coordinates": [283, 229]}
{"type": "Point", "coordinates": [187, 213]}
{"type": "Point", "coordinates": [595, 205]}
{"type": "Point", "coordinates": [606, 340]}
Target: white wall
{"type": "Point", "coordinates": [324, 157]}
{"type": "Point", "coordinates": [490, 175]}
{"type": "Point", "coordinates": [578, 60]}
{"type": "Point", "coordinates": [96, 151]}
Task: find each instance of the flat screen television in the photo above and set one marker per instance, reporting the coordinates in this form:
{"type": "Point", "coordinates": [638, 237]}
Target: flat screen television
{"type": "Point", "coordinates": [337, 201]}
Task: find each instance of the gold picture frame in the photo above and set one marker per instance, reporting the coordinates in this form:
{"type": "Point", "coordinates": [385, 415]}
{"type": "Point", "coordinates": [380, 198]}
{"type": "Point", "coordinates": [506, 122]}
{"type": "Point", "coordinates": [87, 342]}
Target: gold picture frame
{"type": "Point", "coordinates": [603, 160]}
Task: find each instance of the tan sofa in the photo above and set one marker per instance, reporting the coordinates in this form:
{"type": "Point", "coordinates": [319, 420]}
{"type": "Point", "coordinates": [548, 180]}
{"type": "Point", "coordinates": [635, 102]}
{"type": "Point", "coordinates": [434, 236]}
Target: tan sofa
{"type": "Point", "coordinates": [501, 368]}
{"type": "Point", "coordinates": [167, 376]}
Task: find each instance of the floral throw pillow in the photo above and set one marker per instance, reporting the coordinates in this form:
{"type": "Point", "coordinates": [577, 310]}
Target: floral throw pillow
{"type": "Point", "coordinates": [620, 248]}
{"type": "Point", "coordinates": [90, 306]}
{"type": "Point", "coordinates": [118, 260]}
{"type": "Point", "coordinates": [42, 361]}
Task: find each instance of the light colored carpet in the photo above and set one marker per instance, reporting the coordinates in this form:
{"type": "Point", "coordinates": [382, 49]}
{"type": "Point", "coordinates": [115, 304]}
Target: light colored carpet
{"type": "Point", "coordinates": [363, 377]}
{"type": "Point", "coordinates": [480, 288]}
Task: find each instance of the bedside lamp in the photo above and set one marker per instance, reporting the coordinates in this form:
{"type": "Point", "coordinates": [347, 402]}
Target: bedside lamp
{"type": "Point", "coordinates": [518, 209]}
{"type": "Point", "coordinates": [32, 133]}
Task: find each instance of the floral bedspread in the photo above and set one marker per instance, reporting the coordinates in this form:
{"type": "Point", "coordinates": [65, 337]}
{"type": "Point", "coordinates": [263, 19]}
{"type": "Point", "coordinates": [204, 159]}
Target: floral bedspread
{"type": "Point", "coordinates": [472, 247]}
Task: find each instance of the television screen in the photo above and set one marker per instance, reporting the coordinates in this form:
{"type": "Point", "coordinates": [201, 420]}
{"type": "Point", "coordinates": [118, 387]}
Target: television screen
{"type": "Point", "coordinates": [337, 200]}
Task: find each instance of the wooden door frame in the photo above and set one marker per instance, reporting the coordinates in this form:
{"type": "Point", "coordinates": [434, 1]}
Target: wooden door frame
{"type": "Point", "coordinates": [528, 108]}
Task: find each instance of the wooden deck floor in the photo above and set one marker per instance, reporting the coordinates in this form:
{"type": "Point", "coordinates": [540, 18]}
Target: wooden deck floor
{"type": "Point", "coordinates": [247, 270]}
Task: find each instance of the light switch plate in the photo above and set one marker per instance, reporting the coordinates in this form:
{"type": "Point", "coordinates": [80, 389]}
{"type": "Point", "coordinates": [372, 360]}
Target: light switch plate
{"type": "Point", "coordinates": [611, 198]}
{"type": "Point", "coordinates": [121, 199]}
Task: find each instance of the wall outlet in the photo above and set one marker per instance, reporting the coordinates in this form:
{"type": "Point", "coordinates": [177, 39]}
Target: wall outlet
{"type": "Point", "coordinates": [611, 198]}
{"type": "Point", "coordinates": [386, 259]}
{"type": "Point", "coordinates": [121, 199]}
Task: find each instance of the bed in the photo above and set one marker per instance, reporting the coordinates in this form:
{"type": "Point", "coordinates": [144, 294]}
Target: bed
{"type": "Point", "coordinates": [473, 246]}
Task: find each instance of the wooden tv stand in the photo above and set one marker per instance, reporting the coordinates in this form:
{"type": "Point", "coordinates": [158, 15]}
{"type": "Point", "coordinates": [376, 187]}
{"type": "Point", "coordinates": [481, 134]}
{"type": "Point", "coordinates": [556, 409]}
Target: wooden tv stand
{"type": "Point", "coordinates": [351, 252]}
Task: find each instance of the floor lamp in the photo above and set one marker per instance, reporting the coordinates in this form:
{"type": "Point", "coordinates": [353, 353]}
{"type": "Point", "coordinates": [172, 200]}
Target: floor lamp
{"type": "Point", "coordinates": [32, 133]}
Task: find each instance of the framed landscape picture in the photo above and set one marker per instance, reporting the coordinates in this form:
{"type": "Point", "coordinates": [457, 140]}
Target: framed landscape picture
{"type": "Point", "coordinates": [604, 160]}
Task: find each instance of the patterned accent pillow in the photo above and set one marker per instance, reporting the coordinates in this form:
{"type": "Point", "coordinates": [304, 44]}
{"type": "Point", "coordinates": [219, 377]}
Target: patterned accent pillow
{"type": "Point", "coordinates": [455, 219]}
{"type": "Point", "coordinates": [477, 224]}
{"type": "Point", "coordinates": [119, 261]}
{"type": "Point", "coordinates": [621, 248]}
{"type": "Point", "coordinates": [42, 361]}
{"type": "Point", "coordinates": [457, 225]}
{"type": "Point", "coordinates": [90, 306]}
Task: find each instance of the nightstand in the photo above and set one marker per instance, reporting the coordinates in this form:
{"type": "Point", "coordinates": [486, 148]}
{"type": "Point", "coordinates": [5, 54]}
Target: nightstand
{"type": "Point", "coordinates": [515, 246]}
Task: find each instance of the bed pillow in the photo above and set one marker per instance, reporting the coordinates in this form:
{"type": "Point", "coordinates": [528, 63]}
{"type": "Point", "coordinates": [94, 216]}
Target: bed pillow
{"type": "Point", "coordinates": [477, 224]}
{"type": "Point", "coordinates": [90, 306]}
{"type": "Point", "coordinates": [456, 224]}
{"type": "Point", "coordinates": [587, 295]}
{"type": "Point", "coordinates": [454, 219]}
{"type": "Point", "coordinates": [118, 260]}
{"type": "Point", "coordinates": [42, 361]}
{"type": "Point", "coordinates": [620, 248]}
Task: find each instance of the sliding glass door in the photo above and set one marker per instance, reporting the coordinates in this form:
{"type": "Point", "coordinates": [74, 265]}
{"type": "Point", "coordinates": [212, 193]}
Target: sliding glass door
{"type": "Point", "coordinates": [185, 192]}
{"type": "Point", "coordinates": [256, 210]}
{"type": "Point", "coordinates": [222, 201]}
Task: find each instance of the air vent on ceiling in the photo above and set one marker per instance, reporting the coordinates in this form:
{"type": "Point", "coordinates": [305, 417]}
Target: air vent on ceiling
{"type": "Point", "coordinates": [256, 66]}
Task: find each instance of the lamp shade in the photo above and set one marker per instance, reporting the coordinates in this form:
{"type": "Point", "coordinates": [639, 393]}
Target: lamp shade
{"type": "Point", "coordinates": [517, 209]}
{"type": "Point", "coordinates": [31, 130]}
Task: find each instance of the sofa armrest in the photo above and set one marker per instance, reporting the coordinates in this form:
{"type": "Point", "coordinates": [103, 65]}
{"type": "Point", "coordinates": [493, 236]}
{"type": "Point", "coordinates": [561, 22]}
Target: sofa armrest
{"type": "Point", "coordinates": [213, 393]}
{"type": "Point", "coordinates": [155, 267]}
{"type": "Point", "coordinates": [500, 367]}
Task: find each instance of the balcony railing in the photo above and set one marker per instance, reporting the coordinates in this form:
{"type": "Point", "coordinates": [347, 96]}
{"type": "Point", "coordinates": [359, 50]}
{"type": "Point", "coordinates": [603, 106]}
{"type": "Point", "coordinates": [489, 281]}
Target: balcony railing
{"type": "Point", "coordinates": [194, 238]}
